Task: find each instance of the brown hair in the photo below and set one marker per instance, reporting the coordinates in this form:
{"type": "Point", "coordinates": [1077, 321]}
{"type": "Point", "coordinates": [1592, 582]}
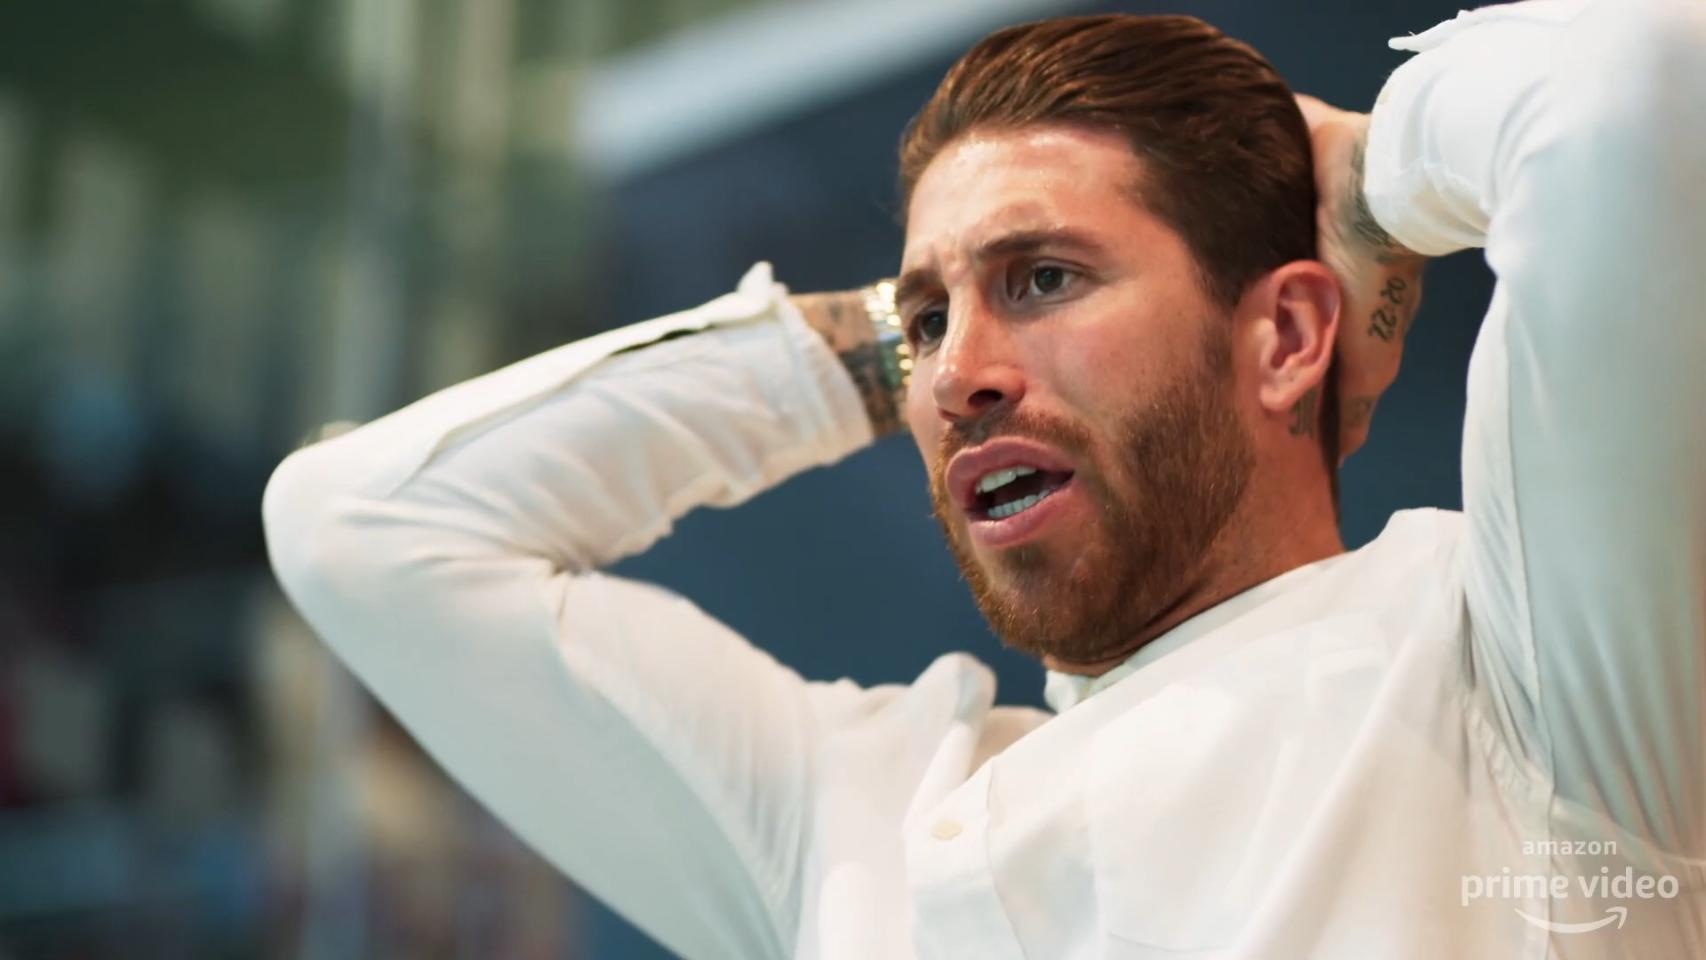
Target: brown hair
{"type": "Point", "coordinates": [1225, 152]}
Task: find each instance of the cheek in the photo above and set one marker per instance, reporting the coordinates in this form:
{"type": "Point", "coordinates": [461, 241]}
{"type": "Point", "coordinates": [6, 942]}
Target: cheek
{"type": "Point", "coordinates": [1115, 356]}
{"type": "Point", "coordinates": [1096, 375]}
{"type": "Point", "coordinates": [921, 418]}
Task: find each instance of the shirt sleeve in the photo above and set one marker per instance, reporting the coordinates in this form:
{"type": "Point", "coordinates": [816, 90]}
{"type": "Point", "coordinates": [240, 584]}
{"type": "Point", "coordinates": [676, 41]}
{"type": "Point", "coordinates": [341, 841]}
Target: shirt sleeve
{"type": "Point", "coordinates": [448, 553]}
{"type": "Point", "coordinates": [1566, 138]}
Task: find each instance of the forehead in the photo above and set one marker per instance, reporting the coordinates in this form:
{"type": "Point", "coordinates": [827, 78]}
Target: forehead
{"type": "Point", "coordinates": [988, 184]}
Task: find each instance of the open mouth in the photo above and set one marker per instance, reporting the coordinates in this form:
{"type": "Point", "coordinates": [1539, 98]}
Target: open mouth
{"type": "Point", "coordinates": [1018, 495]}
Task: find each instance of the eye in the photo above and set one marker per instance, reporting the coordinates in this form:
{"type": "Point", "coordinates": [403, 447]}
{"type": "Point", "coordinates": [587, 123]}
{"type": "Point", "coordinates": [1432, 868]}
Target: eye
{"type": "Point", "coordinates": [1045, 280]}
{"type": "Point", "coordinates": [928, 326]}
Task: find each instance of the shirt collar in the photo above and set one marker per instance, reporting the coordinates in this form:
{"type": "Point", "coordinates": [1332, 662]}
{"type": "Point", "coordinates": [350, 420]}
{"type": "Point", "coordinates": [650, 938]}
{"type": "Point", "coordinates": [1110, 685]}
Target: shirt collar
{"type": "Point", "coordinates": [1062, 691]}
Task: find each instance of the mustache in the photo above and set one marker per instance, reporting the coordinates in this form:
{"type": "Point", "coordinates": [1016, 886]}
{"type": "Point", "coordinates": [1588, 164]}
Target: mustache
{"type": "Point", "coordinates": [1003, 420]}
{"type": "Point", "coordinates": [1006, 420]}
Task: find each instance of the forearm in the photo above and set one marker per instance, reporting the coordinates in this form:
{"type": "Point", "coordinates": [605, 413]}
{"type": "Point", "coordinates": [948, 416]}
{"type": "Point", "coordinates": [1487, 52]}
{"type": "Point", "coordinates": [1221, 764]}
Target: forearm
{"type": "Point", "coordinates": [588, 452]}
{"type": "Point", "coordinates": [1392, 285]}
{"type": "Point", "coordinates": [1379, 279]}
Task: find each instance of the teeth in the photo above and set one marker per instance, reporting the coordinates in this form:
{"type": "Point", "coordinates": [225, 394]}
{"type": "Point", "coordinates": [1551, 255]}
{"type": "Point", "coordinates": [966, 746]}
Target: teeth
{"type": "Point", "coordinates": [1001, 478]}
{"type": "Point", "coordinates": [1006, 510]}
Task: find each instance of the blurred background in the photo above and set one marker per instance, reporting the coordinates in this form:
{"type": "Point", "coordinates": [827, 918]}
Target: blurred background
{"type": "Point", "coordinates": [226, 222]}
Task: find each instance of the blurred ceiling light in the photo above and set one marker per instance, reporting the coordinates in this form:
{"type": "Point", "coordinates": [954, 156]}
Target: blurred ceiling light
{"type": "Point", "coordinates": [714, 81]}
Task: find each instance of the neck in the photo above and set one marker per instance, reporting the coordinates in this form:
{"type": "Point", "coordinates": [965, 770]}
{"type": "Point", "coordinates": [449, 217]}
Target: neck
{"type": "Point", "coordinates": [1263, 540]}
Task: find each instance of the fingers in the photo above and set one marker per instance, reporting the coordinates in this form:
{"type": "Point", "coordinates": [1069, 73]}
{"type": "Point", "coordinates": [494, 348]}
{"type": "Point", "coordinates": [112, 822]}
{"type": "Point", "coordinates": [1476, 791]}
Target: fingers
{"type": "Point", "coordinates": [1317, 111]}
{"type": "Point", "coordinates": [1355, 415]}
{"type": "Point", "coordinates": [1360, 389]}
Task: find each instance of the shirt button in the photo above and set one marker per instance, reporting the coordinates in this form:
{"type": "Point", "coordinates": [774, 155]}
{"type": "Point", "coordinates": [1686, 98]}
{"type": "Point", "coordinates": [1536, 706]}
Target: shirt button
{"type": "Point", "coordinates": [946, 829]}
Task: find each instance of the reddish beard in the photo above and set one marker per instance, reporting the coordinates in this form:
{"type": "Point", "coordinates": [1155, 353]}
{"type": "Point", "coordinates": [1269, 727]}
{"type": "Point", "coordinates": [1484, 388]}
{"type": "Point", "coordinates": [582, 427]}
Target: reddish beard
{"type": "Point", "coordinates": [1161, 496]}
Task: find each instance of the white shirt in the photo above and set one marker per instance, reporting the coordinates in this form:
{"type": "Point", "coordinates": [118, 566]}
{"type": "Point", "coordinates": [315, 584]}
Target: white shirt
{"type": "Point", "coordinates": [1420, 749]}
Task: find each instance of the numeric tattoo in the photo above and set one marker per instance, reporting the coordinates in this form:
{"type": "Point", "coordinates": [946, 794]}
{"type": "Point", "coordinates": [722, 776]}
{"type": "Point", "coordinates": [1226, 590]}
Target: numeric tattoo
{"type": "Point", "coordinates": [1391, 320]}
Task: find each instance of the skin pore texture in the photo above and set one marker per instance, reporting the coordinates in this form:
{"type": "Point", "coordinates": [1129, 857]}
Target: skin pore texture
{"type": "Point", "coordinates": [1044, 302]}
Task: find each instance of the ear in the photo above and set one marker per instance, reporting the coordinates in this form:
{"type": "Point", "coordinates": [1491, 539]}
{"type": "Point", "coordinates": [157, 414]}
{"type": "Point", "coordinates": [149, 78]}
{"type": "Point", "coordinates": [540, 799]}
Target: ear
{"type": "Point", "coordinates": [1292, 319]}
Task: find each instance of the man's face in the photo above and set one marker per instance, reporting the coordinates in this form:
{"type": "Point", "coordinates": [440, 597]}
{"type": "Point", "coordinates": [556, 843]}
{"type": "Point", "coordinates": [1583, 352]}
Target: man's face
{"type": "Point", "coordinates": [1059, 327]}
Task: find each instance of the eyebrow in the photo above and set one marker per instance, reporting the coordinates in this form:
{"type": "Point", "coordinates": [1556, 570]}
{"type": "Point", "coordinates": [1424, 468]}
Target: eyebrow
{"type": "Point", "coordinates": [919, 281]}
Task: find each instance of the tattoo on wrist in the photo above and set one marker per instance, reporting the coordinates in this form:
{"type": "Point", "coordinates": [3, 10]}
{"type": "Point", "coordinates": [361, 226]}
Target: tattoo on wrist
{"type": "Point", "coordinates": [1361, 223]}
{"type": "Point", "coordinates": [842, 320]}
{"type": "Point", "coordinates": [865, 364]}
{"type": "Point", "coordinates": [838, 317]}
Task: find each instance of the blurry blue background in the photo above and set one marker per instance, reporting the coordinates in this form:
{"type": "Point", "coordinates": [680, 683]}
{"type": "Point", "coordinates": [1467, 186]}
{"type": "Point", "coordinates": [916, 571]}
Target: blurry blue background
{"type": "Point", "coordinates": [225, 222]}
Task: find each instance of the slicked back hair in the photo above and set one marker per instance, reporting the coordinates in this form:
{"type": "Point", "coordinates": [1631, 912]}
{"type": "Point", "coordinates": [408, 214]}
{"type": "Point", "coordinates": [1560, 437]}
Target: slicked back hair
{"type": "Point", "coordinates": [1223, 149]}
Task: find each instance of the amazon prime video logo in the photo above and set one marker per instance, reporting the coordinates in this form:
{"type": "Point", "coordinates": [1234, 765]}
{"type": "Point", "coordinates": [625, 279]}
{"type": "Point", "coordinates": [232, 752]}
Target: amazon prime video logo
{"type": "Point", "coordinates": [1604, 885]}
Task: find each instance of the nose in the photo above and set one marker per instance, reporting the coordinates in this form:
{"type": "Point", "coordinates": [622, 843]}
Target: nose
{"type": "Point", "coordinates": [977, 365]}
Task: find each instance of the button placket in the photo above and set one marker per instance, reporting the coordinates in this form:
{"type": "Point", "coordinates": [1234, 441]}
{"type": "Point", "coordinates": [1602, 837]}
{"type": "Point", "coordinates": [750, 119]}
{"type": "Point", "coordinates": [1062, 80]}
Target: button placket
{"type": "Point", "coordinates": [956, 911]}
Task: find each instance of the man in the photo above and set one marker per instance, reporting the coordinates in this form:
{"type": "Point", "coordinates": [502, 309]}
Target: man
{"type": "Point", "coordinates": [1481, 735]}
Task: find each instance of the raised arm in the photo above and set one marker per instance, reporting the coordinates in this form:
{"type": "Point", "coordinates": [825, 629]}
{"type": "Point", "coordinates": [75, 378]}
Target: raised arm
{"type": "Point", "coordinates": [1569, 139]}
{"type": "Point", "coordinates": [449, 551]}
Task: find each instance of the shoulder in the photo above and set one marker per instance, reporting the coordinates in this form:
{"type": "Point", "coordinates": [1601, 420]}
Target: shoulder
{"type": "Point", "coordinates": [1413, 538]}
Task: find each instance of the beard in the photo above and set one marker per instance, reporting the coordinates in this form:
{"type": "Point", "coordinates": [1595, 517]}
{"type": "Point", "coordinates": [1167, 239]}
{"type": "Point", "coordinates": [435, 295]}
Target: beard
{"type": "Point", "coordinates": [1171, 482]}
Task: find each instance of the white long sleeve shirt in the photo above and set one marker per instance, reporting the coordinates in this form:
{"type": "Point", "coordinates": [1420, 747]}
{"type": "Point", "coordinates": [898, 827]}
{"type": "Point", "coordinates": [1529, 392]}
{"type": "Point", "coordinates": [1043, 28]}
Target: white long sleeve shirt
{"type": "Point", "coordinates": [1481, 735]}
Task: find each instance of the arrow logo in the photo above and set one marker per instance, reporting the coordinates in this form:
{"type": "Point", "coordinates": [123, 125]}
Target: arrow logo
{"type": "Point", "coordinates": [1618, 914]}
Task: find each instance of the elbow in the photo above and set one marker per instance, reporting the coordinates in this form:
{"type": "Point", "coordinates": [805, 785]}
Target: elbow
{"type": "Point", "coordinates": [1669, 38]}
{"type": "Point", "coordinates": [338, 552]}
{"type": "Point", "coordinates": [292, 509]}
{"type": "Point", "coordinates": [1609, 171]}
{"type": "Point", "coordinates": [1632, 74]}
{"type": "Point", "coordinates": [322, 548]}
{"type": "Point", "coordinates": [316, 540]}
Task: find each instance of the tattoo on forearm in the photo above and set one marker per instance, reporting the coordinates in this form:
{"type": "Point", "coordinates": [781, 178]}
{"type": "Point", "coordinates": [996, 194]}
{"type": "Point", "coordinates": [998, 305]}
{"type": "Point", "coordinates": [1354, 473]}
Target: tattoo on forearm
{"type": "Point", "coordinates": [865, 363]}
{"type": "Point", "coordinates": [1397, 310]}
{"type": "Point", "coordinates": [1361, 223]}
{"type": "Point", "coordinates": [841, 319]}
{"type": "Point", "coordinates": [1305, 412]}
{"type": "Point", "coordinates": [838, 317]}
{"type": "Point", "coordinates": [1393, 291]}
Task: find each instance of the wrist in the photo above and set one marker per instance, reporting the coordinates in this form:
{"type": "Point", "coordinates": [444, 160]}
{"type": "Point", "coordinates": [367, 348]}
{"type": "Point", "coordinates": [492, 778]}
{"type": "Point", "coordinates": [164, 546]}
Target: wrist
{"type": "Point", "coordinates": [1375, 240]}
{"type": "Point", "coordinates": [856, 324]}
{"type": "Point", "coordinates": [889, 332]}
